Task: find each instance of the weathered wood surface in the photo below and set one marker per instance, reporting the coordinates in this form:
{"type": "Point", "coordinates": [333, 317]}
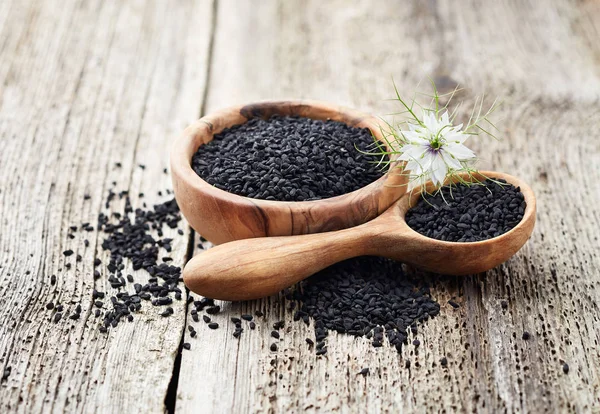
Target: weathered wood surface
{"type": "Point", "coordinates": [87, 84]}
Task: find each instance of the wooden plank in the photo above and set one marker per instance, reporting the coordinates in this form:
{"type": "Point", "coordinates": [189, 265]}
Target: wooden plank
{"type": "Point", "coordinates": [87, 84]}
{"type": "Point", "coordinates": [542, 59]}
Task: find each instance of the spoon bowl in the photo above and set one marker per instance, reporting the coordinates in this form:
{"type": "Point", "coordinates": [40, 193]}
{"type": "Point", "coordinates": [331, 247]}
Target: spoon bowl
{"type": "Point", "coordinates": [254, 268]}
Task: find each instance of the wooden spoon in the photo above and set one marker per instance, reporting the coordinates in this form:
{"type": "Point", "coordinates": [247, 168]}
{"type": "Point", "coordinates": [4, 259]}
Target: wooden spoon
{"type": "Point", "coordinates": [254, 268]}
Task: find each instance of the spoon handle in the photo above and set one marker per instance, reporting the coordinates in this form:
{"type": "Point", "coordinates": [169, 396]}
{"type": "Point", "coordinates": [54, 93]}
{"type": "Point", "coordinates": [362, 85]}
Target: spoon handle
{"type": "Point", "coordinates": [254, 268]}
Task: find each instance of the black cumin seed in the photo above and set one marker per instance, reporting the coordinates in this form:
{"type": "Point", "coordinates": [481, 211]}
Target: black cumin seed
{"type": "Point", "coordinates": [275, 334]}
{"type": "Point", "coordinates": [213, 325]}
{"type": "Point", "coordinates": [273, 347]}
{"type": "Point", "coordinates": [444, 361]}
{"type": "Point", "coordinates": [57, 317]}
{"type": "Point", "coordinates": [453, 304]}
{"type": "Point", "coordinates": [565, 368]}
{"type": "Point", "coordinates": [366, 296]}
{"type": "Point", "coordinates": [247, 317]}
{"type": "Point", "coordinates": [50, 306]}
{"type": "Point", "coordinates": [68, 253]}
{"type": "Point", "coordinates": [468, 213]}
{"type": "Point", "coordinates": [236, 320]}
{"type": "Point", "coordinates": [259, 313]}
{"type": "Point", "coordinates": [53, 280]}
{"type": "Point", "coordinates": [309, 341]}
{"type": "Point", "coordinates": [206, 318]}
{"type": "Point", "coordinates": [526, 335]}
{"type": "Point", "coordinates": [504, 304]}
{"type": "Point", "coordinates": [364, 372]}
{"type": "Point", "coordinates": [187, 345]}
{"type": "Point", "coordinates": [290, 159]}
{"type": "Point", "coordinates": [213, 310]}
{"type": "Point", "coordinates": [252, 325]}
{"type": "Point", "coordinates": [416, 342]}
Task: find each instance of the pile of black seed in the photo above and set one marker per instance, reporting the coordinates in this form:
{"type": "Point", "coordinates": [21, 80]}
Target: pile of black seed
{"type": "Point", "coordinates": [133, 240]}
{"type": "Point", "coordinates": [288, 159]}
{"type": "Point", "coordinates": [131, 235]}
{"type": "Point", "coordinates": [465, 213]}
{"type": "Point", "coordinates": [364, 296]}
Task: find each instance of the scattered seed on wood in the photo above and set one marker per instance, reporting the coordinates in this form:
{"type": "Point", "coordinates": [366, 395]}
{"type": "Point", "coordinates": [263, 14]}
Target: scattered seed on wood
{"type": "Point", "coordinates": [364, 372]}
{"type": "Point", "coordinates": [213, 325]}
{"type": "Point", "coordinates": [206, 318]}
{"type": "Point", "coordinates": [68, 253]}
{"type": "Point", "coordinates": [49, 305]}
{"type": "Point", "coordinates": [444, 361]}
{"type": "Point", "coordinates": [504, 304]}
{"type": "Point", "coordinates": [187, 345]}
{"type": "Point", "coordinates": [453, 304]}
{"type": "Point", "coordinates": [252, 325]}
{"type": "Point", "coordinates": [213, 310]}
{"type": "Point", "coordinates": [275, 334]}
{"type": "Point", "coordinates": [565, 368]}
{"type": "Point", "coordinates": [365, 296]}
{"type": "Point", "coordinates": [259, 313]}
{"type": "Point", "coordinates": [247, 317]}
{"type": "Point", "coordinates": [526, 335]}
{"type": "Point", "coordinates": [321, 351]}
{"type": "Point", "coordinates": [273, 347]}
{"type": "Point", "coordinates": [6, 373]}
{"type": "Point", "coordinates": [288, 159]}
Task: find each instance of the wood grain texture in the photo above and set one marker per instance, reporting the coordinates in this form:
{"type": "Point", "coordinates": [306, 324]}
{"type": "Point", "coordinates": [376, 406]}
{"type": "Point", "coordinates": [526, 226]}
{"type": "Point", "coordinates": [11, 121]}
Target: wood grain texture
{"type": "Point", "coordinates": [254, 268]}
{"type": "Point", "coordinates": [222, 217]}
{"type": "Point", "coordinates": [542, 59]}
{"type": "Point", "coordinates": [85, 85]}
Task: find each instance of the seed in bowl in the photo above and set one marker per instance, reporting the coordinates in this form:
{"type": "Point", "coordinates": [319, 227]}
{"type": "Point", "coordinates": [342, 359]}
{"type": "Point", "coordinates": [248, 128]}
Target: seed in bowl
{"type": "Point", "coordinates": [288, 158]}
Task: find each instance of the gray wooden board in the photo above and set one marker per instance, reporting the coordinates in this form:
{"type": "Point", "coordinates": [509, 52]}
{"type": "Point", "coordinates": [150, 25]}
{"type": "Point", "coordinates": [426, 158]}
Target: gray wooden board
{"type": "Point", "coordinates": [86, 84]}
{"type": "Point", "coordinates": [541, 58]}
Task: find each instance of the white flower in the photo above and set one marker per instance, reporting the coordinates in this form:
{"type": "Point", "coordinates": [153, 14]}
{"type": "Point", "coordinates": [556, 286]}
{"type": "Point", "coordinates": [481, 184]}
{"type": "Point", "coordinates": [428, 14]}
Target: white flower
{"type": "Point", "coordinates": [433, 149]}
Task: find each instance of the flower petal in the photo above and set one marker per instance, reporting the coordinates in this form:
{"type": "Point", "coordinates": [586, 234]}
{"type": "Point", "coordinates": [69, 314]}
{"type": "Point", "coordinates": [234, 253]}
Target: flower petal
{"type": "Point", "coordinates": [459, 151]}
{"type": "Point", "coordinates": [450, 161]}
{"type": "Point", "coordinates": [411, 151]}
{"type": "Point", "coordinates": [439, 169]}
{"type": "Point", "coordinates": [444, 118]}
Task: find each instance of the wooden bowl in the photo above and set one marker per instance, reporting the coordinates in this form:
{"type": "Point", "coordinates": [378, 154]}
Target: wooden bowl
{"type": "Point", "coordinates": [220, 216]}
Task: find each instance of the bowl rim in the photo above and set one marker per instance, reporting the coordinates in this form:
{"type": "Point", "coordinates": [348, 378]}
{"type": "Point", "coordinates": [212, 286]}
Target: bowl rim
{"type": "Point", "coordinates": [181, 163]}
